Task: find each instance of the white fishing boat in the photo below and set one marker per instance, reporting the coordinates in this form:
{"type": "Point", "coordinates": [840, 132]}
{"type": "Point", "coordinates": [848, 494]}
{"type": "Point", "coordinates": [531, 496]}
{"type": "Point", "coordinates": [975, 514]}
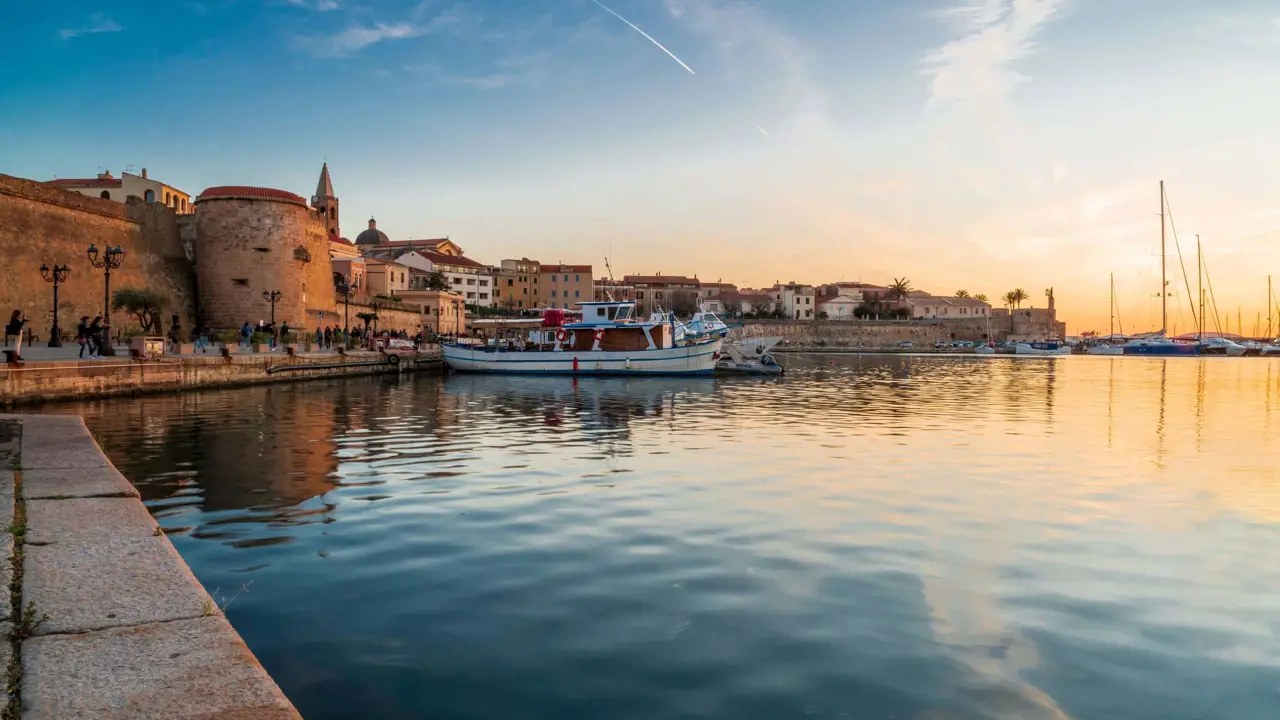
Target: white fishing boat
{"type": "Point", "coordinates": [703, 324]}
{"type": "Point", "coordinates": [1222, 346]}
{"type": "Point", "coordinates": [608, 341]}
{"type": "Point", "coordinates": [1041, 348]}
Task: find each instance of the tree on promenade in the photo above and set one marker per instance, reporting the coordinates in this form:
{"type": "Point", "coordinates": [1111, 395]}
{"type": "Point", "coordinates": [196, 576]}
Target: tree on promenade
{"type": "Point", "coordinates": [146, 305]}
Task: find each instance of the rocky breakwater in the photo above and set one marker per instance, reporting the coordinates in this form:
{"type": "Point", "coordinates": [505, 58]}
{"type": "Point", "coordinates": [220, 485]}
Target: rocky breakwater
{"type": "Point", "coordinates": [104, 619]}
{"type": "Point", "coordinates": [845, 335]}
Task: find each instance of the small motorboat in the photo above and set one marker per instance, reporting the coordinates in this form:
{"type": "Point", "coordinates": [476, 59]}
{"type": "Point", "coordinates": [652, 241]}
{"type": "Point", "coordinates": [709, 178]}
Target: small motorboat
{"type": "Point", "coordinates": [1041, 348]}
{"type": "Point", "coordinates": [749, 357]}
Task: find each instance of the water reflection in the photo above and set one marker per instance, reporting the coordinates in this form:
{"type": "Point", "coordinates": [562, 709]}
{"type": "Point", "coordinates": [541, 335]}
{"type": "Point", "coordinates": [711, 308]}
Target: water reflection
{"type": "Point", "coordinates": [870, 536]}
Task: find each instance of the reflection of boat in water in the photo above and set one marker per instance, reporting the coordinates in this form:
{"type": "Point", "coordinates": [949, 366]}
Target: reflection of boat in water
{"type": "Point", "coordinates": [606, 342]}
{"type": "Point", "coordinates": [750, 357]}
{"type": "Point", "coordinates": [1041, 348]}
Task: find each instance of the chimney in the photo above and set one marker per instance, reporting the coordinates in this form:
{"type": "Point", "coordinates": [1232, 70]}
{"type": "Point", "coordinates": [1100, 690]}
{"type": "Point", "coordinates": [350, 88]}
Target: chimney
{"type": "Point", "coordinates": [144, 173]}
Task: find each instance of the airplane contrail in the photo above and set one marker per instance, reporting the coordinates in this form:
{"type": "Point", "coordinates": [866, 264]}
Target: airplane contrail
{"type": "Point", "coordinates": [764, 132]}
{"type": "Point", "coordinates": [649, 37]}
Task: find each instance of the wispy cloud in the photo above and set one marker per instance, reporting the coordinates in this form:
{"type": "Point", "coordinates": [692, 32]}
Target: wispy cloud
{"type": "Point", "coordinates": [357, 37]}
{"type": "Point", "coordinates": [646, 35]}
{"type": "Point", "coordinates": [764, 132]}
{"type": "Point", "coordinates": [991, 35]}
{"type": "Point", "coordinates": [484, 81]}
{"type": "Point", "coordinates": [317, 5]}
{"type": "Point", "coordinates": [1256, 29]}
{"type": "Point", "coordinates": [97, 24]}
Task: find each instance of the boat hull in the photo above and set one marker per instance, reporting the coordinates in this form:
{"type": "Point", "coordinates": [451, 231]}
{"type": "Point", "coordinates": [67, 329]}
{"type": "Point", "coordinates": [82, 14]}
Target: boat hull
{"type": "Point", "coordinates": [699, 359]}
{"type": "Point", "coordinates": [1041, 349]}
{"type": "Point", "coordinates": [1163, 350]}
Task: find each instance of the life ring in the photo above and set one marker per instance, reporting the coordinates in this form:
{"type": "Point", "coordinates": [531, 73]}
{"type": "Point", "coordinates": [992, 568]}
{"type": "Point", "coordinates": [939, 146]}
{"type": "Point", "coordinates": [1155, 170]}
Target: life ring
{"type": "Point", "coordinates": [561, 335]}
{"type": "Point", "coordinates": [599, 335]}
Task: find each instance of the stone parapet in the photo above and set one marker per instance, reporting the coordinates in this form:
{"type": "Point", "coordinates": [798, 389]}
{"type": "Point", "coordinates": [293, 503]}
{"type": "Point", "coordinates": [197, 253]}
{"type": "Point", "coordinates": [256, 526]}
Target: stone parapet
{"type": "Point", "coordinates": [107, 621]}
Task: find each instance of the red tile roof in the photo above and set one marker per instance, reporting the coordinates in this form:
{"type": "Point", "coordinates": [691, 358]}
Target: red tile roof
{"type": "Point", "coordinates": [87, 182]}
{"type": "Point", "coordinates": [564, 268]}
{"type": "Point", "coordinates": [339, 240]}
{"type": "Point", "coordinates": [661, 280]}
{"type": "Point", "coordinates": [245, 192]}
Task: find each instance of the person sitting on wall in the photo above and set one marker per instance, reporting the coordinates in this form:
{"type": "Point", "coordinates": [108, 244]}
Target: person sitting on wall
{"type": "Point", "coordinates": [14, 328]}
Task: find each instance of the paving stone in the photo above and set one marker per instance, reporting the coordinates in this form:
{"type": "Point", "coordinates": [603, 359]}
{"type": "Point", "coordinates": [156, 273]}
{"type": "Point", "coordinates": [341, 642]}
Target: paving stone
{"type": "Point", "coordinates": [87, 520]}
{"type": "Point", "coordinates": [180, 670]}
{"type": "Point", "coordinates": [75, 483]}
{"type": "Point", "coordinates": [59, 441]}
{"type": "Point", "coordinates": [102, 584]}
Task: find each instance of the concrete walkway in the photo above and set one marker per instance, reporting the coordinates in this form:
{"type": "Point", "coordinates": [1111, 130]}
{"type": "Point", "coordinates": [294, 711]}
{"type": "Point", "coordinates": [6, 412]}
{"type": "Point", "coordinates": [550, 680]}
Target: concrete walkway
{"type": "Point", "coordinates": [105, 620]}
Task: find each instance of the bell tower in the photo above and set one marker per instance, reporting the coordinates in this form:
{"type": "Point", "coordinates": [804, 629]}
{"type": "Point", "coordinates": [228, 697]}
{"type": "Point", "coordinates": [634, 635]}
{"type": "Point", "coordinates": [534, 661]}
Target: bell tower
{"type": "Point", "coordinates": [326, 203]}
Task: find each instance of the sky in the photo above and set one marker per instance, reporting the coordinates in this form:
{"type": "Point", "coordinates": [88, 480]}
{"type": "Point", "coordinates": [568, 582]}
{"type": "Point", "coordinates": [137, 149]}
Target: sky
{"type": "Point", "coordinates": [983, 145]}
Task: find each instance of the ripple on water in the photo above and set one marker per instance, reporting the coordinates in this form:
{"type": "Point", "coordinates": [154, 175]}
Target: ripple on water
{"type": "Point", "coordinates": [871, 536]}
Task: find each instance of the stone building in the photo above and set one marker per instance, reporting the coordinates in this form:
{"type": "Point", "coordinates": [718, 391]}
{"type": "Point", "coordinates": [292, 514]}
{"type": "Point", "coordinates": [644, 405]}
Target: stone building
{"type": "Point", "coordinates": [251, 240]}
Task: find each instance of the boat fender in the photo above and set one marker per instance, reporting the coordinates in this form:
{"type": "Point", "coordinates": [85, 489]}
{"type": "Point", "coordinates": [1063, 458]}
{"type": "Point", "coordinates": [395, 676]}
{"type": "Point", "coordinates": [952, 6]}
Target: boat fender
{"type": "Point", "coordinates": [628, 363]}
{"type": "Point", "coordinates": [575, 364]}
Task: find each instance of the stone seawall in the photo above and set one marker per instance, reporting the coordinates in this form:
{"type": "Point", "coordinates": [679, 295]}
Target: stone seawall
{"type": "Point", "coordinates": [104, 619]}
{"type": "Point", "coordinates": [861, 334]}
{"type": "Point", "coordinates": [46, 381]}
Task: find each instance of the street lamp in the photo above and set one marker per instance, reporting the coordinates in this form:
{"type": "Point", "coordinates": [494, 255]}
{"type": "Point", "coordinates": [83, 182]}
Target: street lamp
{"type": "Point", "coordinates": [272, 297]}
{"type": "Point", "coordinates": [111, 259]}
{"type": "Point", "coordinates": [57, 276]}
{"type": "Point", "coordinates": [346, 290]}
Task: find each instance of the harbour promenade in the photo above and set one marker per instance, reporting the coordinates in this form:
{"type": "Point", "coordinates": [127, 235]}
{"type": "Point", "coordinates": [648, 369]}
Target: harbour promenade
{"type": "Point", "coordinates": [48, 374]}
{"type": "Point", "coordinates": [103, 618]}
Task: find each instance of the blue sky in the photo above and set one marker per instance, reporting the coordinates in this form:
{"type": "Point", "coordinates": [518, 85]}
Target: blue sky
{"type": "Point", "coordinates": [978, 144]}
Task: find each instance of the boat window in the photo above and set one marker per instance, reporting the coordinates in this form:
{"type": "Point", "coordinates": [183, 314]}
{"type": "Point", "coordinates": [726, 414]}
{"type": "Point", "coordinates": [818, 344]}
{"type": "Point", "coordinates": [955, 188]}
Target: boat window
{"type": "Point", "coordinates": [624, 312]}
{"type": "Point", "coordinates": [600, 312]}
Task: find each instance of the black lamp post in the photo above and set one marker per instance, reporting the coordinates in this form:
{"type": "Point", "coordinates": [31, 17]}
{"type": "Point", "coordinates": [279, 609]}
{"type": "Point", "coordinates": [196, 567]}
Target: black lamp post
{"type": "Point", "coordinates": [272, 297]}
{"type": "Point", "coordinates": [57, 276]}
{"type": "Point", "coordinates": [111, 259]}
{"type": "Point", "coordinates": [346, 290]}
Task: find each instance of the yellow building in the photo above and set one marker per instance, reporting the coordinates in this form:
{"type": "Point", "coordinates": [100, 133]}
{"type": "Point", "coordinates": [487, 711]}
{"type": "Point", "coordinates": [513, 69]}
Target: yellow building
{"type": "Point", "coordinates": [108, 187]}
{"type": "Point", "coordinates": [564, 286]}
{"type": "Point", "coordinates": [514, 284]}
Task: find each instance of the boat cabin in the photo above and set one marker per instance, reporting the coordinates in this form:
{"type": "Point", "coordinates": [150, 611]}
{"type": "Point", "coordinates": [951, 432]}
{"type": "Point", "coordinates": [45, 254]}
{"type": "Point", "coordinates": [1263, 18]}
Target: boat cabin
{"type": "Point", "coordinates": [607, 314]}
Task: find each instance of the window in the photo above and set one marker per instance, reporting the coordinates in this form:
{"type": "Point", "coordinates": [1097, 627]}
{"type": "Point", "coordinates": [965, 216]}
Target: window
{"type": "Point", "coordinates": [105, 195]}
{"type": "Point", "coordinates": [553, 293]}
{"type": "Point", "coordinates": [184, 204]}
{"type": "Point", "coordinates": [484, 296]}
{"type": "Point", "coordinates": [471, 281]}
{"type": "Point", "coordinates": [553, 278]}
{"type": "Point", "coordinates": [511, 283]}
{"type": "Point", "coordinates": [262, 249]}
{"type": "Point", "coordinates": [577, 294]}
{"type": "Point", "coordinates": [457, 281]}
{"type": "Point", "coordinates": [166, 197]}
{"type": "Point", "coordinates": [525, 291]}
{"type": "Point", "coordinates": [471, 295]}
{"type": "Point", "coordinates": [639, 294]}
{"type": "Point", "coordinates": [657, 295]}
{"type": "Point", "coordinates": [566, 278]}
{"type": "Point", "coordinates": [484, 283]}
{"type": "Point", "coordinates": [577, 278]}
{"type": "Point", "coordinates": [239, 282]}
{"type": "Point", "coordinates": [149, 196]}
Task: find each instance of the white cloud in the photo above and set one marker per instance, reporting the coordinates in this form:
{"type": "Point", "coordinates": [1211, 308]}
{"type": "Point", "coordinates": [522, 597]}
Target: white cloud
{"type": "Point", "coordinates": [317, 5]}
{"type": "Point", "coordinates": [98, 24]}
{"type": "Point", "coordinates": [357, 37]}
{"type": "Point", "coordinates": [991, 35]}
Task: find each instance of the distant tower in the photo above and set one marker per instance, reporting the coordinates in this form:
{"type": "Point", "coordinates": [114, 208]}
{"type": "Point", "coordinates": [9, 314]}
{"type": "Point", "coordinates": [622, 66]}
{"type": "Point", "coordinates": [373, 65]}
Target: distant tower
{"type": "Point", "coordinates": [326, 203]}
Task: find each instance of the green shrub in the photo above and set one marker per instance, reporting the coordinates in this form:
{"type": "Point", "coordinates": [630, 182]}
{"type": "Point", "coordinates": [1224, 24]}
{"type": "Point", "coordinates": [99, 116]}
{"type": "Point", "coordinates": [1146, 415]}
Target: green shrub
{"type": "Point", "coordinates": [259, 338]}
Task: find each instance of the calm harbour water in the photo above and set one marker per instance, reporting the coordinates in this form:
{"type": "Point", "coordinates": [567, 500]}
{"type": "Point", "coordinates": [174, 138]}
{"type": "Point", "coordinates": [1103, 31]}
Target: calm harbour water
{"type": "Point", "coordinates": [869, 537]}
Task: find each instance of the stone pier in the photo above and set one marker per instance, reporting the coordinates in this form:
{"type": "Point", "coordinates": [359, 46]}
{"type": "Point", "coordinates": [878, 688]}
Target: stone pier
{"type": "Point", "coordinates": [103, 618]}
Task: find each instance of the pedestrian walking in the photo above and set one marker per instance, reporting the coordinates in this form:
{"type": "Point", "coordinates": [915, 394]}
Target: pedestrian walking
{"type": "Point", "coordinates": [94, 336]}
{"type": "Point", "coordinates": [246, 332]}
{"type": "Point", "coordinates": [82, 336]}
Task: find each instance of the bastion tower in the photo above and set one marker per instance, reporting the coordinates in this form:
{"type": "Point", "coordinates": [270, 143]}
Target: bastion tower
{"type": "Point", "coordinates": [253, 240]}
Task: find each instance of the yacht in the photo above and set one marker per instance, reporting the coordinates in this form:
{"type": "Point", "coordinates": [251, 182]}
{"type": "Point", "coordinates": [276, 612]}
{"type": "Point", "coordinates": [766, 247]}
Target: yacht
{"type": "Point", "coordinates": [1222, 346]}
{"type": "Point", "coordinates": [1041, 348]}
{"type": "Point", "coordinates": [1161, 346]}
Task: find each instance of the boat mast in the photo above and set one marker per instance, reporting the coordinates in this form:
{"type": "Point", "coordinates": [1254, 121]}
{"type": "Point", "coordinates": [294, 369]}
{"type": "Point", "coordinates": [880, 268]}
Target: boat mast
{"type": "Point", "coordinates": [1200, 285]}
{"type": "Point", "coordinates": [1113, 304]}
{"type": "Point", "coordinates": [1164, 283]}
{"type": "Point", "coordinates": [1269, 304]}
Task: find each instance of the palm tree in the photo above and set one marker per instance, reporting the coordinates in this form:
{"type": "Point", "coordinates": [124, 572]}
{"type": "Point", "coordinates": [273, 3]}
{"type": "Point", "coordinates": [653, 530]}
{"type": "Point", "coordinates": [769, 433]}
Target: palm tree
{"type": "Point", "coordinates": [899, 288]}
{"type": "Point", "coordinates": [1010, 299]}
{"type": "Point", "coordinates": [962, 293]}
{"type": "Point", "coordinates": [980, 296]}
{"type": "Point", "coordinates": [1019, 296]}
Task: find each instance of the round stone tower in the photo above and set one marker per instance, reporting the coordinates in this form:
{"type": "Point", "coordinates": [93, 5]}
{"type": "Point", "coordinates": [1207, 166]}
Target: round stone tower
{"type": "Point", "coordinates": [252, 240]}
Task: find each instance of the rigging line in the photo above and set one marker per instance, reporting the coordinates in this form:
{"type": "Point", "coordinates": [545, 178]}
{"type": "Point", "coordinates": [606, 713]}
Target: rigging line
{"type": "Point", "coordinates": [1169, 211]}
{"type": "Point", "coordinates": [1209, 279]}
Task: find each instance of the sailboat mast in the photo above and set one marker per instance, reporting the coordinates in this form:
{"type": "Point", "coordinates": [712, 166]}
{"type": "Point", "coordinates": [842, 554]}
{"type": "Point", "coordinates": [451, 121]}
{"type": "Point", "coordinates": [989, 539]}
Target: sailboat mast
{"type": "Point", "coordinates": [1113, 304]}
{"type": "Point", "coordinates": [1164, 283]}
{"type": "Point", "coordinates": [1269, 304]}
{"type": "Point", "coordinates": [1200, 289]}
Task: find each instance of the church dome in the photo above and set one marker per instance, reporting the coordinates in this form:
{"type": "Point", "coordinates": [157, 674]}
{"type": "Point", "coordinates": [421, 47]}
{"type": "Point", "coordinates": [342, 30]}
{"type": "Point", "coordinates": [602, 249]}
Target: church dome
{"type": "Point", "coordinates": [372, 236]}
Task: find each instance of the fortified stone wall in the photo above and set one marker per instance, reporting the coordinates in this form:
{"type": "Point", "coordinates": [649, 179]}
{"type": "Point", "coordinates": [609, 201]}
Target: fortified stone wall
{"type": "Point", "coordinates": [246, 246]}
{"type": "Point", "coordinates": [864, 334]}
{"type": "Point", "coordinates": [391, 316]}
{"type": "Point", "coordinates": [40, 224]}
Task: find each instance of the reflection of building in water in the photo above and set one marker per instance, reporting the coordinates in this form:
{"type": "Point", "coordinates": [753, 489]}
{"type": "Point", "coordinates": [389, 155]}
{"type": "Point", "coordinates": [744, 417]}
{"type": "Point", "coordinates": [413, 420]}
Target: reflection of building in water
{"type": "Point", "coordinates": [268, 446]}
